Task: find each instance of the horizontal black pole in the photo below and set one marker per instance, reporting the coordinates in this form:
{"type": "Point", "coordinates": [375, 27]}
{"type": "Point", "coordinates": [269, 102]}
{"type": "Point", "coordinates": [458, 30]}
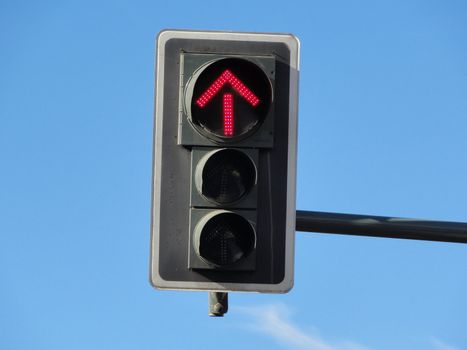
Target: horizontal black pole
{"type": "Point", "coordinates": [381, 226]}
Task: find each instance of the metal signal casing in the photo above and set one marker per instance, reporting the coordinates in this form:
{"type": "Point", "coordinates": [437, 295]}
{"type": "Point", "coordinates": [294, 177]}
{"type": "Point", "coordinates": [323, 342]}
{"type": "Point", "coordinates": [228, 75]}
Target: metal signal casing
{"type": "Point", "coordinates": [179, 210]}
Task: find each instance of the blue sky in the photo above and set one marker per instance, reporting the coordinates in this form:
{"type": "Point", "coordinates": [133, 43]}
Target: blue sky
{"type": "Point", "coordinates": [382, 130]}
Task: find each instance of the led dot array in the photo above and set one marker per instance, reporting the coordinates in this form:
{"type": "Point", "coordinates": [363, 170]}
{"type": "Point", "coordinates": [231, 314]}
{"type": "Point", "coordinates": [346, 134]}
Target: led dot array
{"type": "Point", "coordinates": [243, 90]}
{"type": "Point", "coordinates": [227, 77]}
{"type": "Point", "coordinates": [228, 114]}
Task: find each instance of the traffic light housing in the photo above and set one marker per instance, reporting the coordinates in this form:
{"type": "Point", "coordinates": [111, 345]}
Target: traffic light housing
{"type": "Point", "coordinates": [223, 205]}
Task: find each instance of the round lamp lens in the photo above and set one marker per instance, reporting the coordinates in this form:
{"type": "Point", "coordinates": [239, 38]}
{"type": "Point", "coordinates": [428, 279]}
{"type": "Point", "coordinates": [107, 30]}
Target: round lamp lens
{"type": "Point", "coordinates": [225, 176]}
{"type": "Point", "coordinates": [225, 239]}
{"type": "Point", "coordinates": [230, 99]}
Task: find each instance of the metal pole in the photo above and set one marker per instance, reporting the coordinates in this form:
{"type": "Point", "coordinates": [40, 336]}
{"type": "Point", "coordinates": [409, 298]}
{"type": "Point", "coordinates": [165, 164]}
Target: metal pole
{"type": "Point", "coordinates": [218, 303]}
{"type": "Point", "coordinates": [381, 226]}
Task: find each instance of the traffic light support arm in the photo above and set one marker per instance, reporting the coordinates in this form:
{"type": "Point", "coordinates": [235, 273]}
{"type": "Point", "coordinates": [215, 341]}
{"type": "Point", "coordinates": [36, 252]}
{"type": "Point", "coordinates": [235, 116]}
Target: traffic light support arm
{"type": "Point", "coordinates": [381, 226]}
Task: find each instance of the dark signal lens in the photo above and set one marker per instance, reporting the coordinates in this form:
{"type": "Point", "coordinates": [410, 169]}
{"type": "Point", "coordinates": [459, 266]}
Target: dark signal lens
{"type": "Point", "coordinates": [223, 238]}
{"type": "Point", "coordinates": [231, 97]}
{"type": "Point", "coordinates": [225, 176]}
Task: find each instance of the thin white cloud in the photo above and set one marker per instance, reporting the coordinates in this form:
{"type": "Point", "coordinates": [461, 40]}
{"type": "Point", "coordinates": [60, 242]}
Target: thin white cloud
{"type": "Point", "coordinates": [274, 320]}
{"type": "Point", "coordinates": [440, 345]}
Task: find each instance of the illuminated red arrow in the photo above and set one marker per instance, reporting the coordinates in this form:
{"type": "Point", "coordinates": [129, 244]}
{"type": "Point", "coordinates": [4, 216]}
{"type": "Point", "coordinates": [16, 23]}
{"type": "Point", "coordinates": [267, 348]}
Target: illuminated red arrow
{"type": "Point", "coordinates": [227, 77]}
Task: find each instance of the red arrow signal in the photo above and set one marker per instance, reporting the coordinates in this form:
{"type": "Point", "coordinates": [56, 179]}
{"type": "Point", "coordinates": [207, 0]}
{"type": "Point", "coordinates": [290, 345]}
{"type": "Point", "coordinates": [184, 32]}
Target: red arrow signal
{"type": "Point", "coordinates": [227, 77]}
{"type": "Point", "coordinates": [227, 107]}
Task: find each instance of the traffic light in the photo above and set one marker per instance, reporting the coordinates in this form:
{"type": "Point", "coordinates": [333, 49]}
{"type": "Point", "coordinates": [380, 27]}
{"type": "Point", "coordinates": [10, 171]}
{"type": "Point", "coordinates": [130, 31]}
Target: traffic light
{"type": "Point", "coordinates": [223, 205]}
